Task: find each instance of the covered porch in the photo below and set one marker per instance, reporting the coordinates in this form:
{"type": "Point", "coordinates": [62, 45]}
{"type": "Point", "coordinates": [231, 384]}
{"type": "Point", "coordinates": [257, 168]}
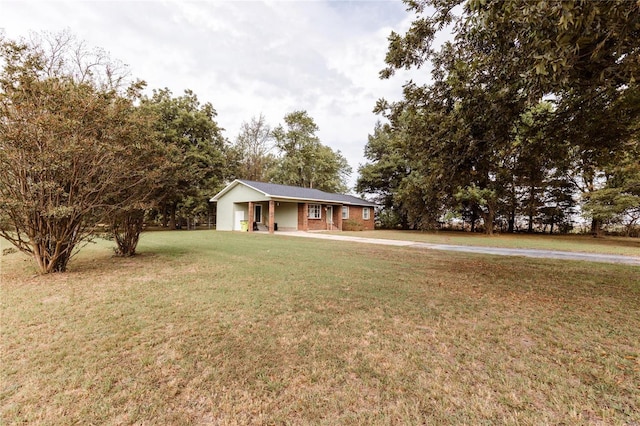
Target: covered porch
{"type": "Point", "coordinates": [286, 215]}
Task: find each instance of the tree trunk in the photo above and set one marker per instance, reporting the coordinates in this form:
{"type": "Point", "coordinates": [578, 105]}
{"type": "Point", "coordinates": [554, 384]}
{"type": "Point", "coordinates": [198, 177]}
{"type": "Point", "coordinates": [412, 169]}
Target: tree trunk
{"type": "Point", "coordinates": [165, 216]}
{"type": "Point", "coordinates": [512, 209]}
{"type": "Point", "coordinates": [488, 222]}
{"type": "Point", "coordinates": [512, 221]}
{"type": "Point", "coordinates": [60, 263]}
{"type": "Point", "coordinates": [404, 221]}
{"type": "Point", "coordinates": [489, 218]}
{"type": "Point", "coordinates": [172, 217]}
{"type": "Point", "coordinates": [596, 228]}
{"type": "Point", "coordinates": [52, 256]}
{"type": "Point", "coordinates": [474, 217]}
{"type": "Point", "coordinates": [126, 229]}
{"type": "Point", "coordinates": [530, 209]}
{"type": "Point", "coordinates": [53, 241]}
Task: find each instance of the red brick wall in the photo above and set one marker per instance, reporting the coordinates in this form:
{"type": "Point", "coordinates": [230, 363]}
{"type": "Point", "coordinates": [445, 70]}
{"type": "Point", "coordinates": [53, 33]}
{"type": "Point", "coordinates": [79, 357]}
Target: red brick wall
{"type": "Point", "coordinates": [355, 218]}
{"type": "Point", "coordinates": [318, 224]}
{"type": "Point", "coordinates": [302, 217]}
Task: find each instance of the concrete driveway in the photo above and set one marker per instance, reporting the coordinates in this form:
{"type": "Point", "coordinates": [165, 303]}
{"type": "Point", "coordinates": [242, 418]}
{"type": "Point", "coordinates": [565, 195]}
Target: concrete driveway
{"type": "Point", "coordinates": [547, 254]}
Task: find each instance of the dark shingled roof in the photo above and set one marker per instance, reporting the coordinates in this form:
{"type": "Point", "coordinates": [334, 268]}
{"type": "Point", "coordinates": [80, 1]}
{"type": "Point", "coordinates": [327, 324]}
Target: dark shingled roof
{"type": "Point", "coordinates": [285, 191]}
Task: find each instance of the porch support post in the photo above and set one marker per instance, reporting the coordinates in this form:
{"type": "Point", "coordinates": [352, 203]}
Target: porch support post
{"type": "Point", "coordinates": [305, 217]}
{"type": "Point", "coordinates": [250, 216]}
{"type": "Point", "coordinates": [272, 215]}
{"type": "Point", "coordinates": [339, 208]}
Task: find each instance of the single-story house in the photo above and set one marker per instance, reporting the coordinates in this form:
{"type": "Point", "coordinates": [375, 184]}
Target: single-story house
{"type": "Point", "coordinates": [249, 205]}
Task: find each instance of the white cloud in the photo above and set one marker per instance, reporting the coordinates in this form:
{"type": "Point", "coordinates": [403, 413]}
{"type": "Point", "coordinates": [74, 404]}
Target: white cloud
{"type": "Point", "coordinates": [246, 58]}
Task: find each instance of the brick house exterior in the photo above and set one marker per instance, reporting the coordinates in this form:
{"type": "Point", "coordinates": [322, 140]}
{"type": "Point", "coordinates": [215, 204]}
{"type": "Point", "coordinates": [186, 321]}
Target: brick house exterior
{"type": "Point", "coordinates": [249, 205]}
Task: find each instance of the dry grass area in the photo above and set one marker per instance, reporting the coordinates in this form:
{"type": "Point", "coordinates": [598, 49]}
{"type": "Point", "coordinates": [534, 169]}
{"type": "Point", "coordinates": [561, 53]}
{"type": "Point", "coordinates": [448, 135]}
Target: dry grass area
{"type": "Point", "coordinates": [572, 242]}
{"type": "Point", "coordinates": [229, 328]}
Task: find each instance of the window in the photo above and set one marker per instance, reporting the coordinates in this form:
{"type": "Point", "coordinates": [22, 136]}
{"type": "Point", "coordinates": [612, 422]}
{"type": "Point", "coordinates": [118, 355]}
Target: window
{"type": "Point", "coordinates": [314, 211]}
{"type": "Point", "coordinates": [365, 213]}
{"type": "Point", "coordinates": [345, 212]}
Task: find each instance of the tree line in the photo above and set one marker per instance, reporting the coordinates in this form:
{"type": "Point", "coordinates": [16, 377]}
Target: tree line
{"type": "Point", "coordinates": [83, 150]}
{"type": "Point", "coordinates": [530, 115]}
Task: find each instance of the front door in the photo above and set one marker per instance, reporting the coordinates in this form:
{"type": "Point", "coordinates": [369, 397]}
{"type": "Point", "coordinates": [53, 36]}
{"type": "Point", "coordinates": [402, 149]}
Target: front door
{"type": "Point", "coordinates": [330, 217]}
{"type": "Point", "coordinates": [257, 213]}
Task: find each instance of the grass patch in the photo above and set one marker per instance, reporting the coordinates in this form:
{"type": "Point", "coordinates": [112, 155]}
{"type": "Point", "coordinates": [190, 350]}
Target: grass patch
{"type": "Point", "coordinates": [573, 243]}
{"type": "Point", "coordinates": [221, 328]}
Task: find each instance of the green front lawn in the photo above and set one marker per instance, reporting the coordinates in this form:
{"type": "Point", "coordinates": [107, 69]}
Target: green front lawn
{"type": "Point", "coordinates": [212, 327]}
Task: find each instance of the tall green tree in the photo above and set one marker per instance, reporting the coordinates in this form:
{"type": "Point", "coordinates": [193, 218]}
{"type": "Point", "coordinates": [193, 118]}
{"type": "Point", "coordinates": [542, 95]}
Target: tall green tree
{"type": "Point", "coordinates": [559, 204]}
{"type": "Point", "coordinates": [535, 161]}
{"type": "Point", "coordinates": [505, 58]}
{"type": "Point", "coordinates": [196, 150]}
{"type": "Point", "coordinates": [461, 127]}
{"type": "Point", "coordinates": [618, 200]}
{"type": "Point", "coordinates": [252, 154]}
{"type": "Point", "coordinates": [384, 172]}
{"type": "Point", "coordinates": [601, 131]}
{"type": "Point", "coordinates": [304, 161]}
{"type": "Point", "coordinates": [149, 160]}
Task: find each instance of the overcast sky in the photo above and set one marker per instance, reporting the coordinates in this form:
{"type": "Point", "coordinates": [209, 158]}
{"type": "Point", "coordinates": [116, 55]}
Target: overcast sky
{"type": "Point", "coordinates": [245, 57]}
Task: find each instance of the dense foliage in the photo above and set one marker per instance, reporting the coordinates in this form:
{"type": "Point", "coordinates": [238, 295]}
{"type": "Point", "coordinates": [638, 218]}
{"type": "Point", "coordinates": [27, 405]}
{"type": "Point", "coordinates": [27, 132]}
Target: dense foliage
{"type": "Point", "coordinates": [304, 161]}
{"type": "Point", "coordinates": [82, 153]}
{"type": "Point", "coordinates": [196, 155]}
{"type": "Point", "coordinates": [252, 156]}
{"type": "Point", "coordinates": [531, 108]}
{"type": "Point", "coordinates": [289, 154]}
{"type": "Point", "coordinates": [71, 142]}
